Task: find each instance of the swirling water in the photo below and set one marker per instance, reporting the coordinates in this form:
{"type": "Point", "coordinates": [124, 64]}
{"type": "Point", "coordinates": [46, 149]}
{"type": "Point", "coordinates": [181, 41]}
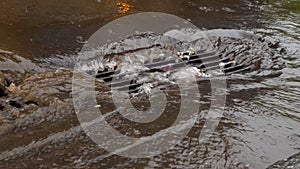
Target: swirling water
{"type": "Point", "coordinates": [262, 117]}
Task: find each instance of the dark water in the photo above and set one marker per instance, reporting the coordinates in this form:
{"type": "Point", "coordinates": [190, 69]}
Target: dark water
{"type": "Point", "coordinates": [35, 29]}
{"type": "Point", "coordinates": [262, 119]}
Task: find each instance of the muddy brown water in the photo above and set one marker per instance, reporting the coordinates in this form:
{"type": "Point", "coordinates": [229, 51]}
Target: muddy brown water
{"type": "Point", "coordinates": [261, 120]}
{"type": "Point", "coordinates": [41, 28]}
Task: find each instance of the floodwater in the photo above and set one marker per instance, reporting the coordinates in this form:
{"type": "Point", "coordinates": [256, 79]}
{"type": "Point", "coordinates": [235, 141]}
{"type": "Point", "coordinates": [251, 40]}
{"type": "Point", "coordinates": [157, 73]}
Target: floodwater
{"type": "Point", "coordinates": [262, 116]}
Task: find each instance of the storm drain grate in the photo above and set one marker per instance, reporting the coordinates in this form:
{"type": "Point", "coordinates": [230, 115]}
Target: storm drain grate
{"type": "Point", "coordinates": [202, 61]}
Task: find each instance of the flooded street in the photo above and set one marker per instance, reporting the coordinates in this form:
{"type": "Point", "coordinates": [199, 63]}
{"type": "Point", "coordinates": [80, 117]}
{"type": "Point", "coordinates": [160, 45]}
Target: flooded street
{"type": "Point", "coordinates": [39, 126]}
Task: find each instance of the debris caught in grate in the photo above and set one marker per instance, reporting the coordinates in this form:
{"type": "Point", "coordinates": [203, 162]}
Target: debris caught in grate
{"type": "Point", "coordinates": [199, 63]}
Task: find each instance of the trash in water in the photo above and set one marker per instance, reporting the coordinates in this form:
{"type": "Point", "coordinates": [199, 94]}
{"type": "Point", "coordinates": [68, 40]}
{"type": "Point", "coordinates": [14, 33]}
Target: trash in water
{"type": "Point", "coordinates": [199, 72]}
{"type": "Point", "coordinates": [123, 7]}
{"type": "Point", "coordinates": [186, 54]}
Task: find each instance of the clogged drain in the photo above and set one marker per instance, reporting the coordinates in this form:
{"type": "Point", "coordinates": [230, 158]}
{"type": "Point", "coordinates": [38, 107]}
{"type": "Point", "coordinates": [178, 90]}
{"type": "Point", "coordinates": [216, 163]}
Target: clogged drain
{"type": "Point", "coordinates": [225, 56]}
{"type": "Point", "coordinates": [189, 60]}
